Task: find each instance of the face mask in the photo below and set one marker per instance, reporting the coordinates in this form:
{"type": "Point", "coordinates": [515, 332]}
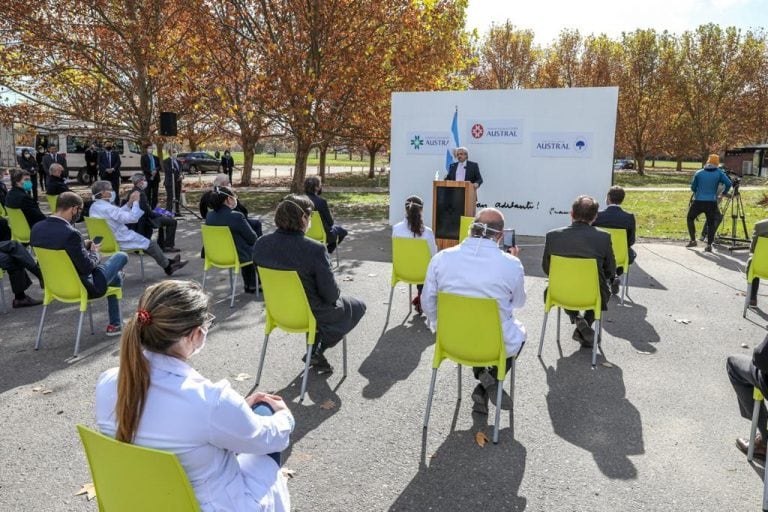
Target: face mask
{"type": "Point", "coordinates": [200, 348]}
{"type": "Point", "coordinates": [108, 148]}
{"type": "Point", "coordinates": [143, 185]}
{"type": "Point", "coordinates": [26, 185]}
{"type": "Point", "coordinates": [112, 196]}
{"type": "Point", "coordinates": [149, 151]}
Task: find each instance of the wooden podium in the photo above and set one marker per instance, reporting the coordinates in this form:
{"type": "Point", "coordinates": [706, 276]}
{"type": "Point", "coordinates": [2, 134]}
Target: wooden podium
{"type": "Point", "coordinates": [450, 201]}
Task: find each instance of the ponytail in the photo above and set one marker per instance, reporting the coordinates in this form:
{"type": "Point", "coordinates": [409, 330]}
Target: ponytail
{"type": "Point", "coordinates": [413, 213]}
{"type": "Point", "coordinates": [132, 383]}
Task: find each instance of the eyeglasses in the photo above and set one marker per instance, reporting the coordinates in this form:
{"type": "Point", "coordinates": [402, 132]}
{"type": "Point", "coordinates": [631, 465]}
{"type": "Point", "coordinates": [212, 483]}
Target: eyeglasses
{"type": "Point", "coordinates": [209, 320]}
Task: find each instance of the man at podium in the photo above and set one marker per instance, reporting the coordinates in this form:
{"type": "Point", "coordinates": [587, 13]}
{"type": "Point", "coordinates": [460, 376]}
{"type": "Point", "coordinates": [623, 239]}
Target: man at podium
{"type": "Point", "coordinates": [464, 170]}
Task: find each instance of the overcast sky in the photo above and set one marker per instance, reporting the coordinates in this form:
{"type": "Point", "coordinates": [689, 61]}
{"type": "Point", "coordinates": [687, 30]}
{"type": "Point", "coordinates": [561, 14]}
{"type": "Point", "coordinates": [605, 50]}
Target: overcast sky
{"type": "Point", "coordinates": [547, 17]}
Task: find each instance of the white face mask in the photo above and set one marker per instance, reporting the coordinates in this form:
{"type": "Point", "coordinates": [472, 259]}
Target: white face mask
{"type": "Point", "coordinates": [200, 348]}
{"type": "Point", "coordinates": [143, 185]}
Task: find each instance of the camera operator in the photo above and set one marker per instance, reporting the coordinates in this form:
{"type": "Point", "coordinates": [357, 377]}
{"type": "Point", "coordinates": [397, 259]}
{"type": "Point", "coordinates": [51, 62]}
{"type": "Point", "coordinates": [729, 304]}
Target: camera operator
{"type": "Point", "coordinates": [704, 186]}
{"type": "Point", "coordinates": [735, 181]}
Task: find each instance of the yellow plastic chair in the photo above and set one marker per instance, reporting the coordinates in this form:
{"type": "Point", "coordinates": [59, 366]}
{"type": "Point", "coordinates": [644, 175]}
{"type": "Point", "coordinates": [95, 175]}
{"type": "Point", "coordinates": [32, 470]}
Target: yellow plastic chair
{"type": "Point", "coordinates": [52, 202]}
{"type": "Point", "coordinates": [286, 307]}
{"type": "Point", "coordinates": [758, 268]}
{"type": "Point", "coordinates": [410, 259]}
{"type": "Point", "coordinates": [3, 212]}
{"type": "Point", "coordinates": [129, 478]}
{"type": "Point", "coordinates": [220, 252]}
{"type": "Point", "coordinates": [62, 283]}
{"type": "Point", "coordinates": [574, 283]}
{"type": "Point", "coordinates": [469, 333]}
{"type": "Point", "coordinates": [109, 246]}
{"type": "Point", "coordinates": [19, 226]}
{"type": "Point", "coordinates": [621, 255]}
{"type": "Point", "coordinates": [758, 397]}
{"type": "Point", "coordinates": [464, 225]}
{"type": "Point", "coordinates": [316, 231]}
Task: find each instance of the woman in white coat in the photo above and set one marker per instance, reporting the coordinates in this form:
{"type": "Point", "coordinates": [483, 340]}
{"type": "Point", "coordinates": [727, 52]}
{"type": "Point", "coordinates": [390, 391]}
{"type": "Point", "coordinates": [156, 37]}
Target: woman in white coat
{"type": "Point", "coordinates": [156, 399]}
{"type": "Point", "coordinates": [413, 227]}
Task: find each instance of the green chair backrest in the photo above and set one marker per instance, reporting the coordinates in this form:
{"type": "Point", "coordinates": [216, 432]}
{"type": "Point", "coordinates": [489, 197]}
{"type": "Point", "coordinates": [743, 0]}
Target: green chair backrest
{"type": "Point", "coordinates": [99, 227]}
{"type": "Point", "coordinates": [61, 279]}
{"type": "Point", "coordinates": [469, 331]}
{"type": "Point", "coordinates": [464, 225]}
{"type": "Point", "coordinates": [316, 231]}
{"type": "Point", "coordinates": [130, 478]}
{"type": "Point", "coordinates": [758, 267]}
{"type": "Point", "coordinates": [3, 213]}
{"type": "Point", "coordinates": [51, 201]}
{"type": "Point", "coordinates": [19, 225]}
{"type": "Point", "coordinates": [574, 283]}
{"type": "Point", "coordinates": [286, 303]}
{"type": "Point", "coordinates": [219, 247]}
{"type": "Point", "coordinates": [620, 247]}
{"type": "Point", "coordinates": [410, 259]}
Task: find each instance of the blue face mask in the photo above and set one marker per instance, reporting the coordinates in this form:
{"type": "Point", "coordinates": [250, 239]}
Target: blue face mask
{"type": "Point", "coordinates": [26, 185]}
{"type": "Point", "coordinates": [112, 196]}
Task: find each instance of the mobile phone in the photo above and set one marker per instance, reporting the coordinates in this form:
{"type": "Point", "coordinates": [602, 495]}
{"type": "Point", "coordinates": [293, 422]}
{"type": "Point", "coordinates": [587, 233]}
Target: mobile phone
{"type": "Point", "coordinates": [509, 239]}
{"type": "Point", "coordinates": [97, 240]}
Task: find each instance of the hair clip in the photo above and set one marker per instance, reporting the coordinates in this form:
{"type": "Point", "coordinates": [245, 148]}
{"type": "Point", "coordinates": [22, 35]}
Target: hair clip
{"type": "Point", "coordinates": [143, 317]}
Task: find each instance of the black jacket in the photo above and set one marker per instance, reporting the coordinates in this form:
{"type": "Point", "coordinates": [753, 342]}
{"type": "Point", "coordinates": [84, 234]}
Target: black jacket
{"type": "Point", "coordinates": [144, 226]}
{"type": "Point", "coordinates": [146, 169]}
{"type": "Point", "coordinates": [614, 217]}
{"type": "Point", "coordinates": [242, 232]}
{"type": "Point", "coordinates": [472, 173]}
{"type": "Point", "coordinates": [171, 174]}
{"type": "Point", "coordinates": [227, 163]}
{"type": "Point", "coordinates": [17, 198]}
{"type": "Point", "coordinates": [55, 185]}
{"type": "Point", "coordinates": [28, 164]}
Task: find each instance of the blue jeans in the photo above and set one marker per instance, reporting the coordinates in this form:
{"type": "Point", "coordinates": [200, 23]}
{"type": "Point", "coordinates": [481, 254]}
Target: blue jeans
{"type": "Point", "coordinates": [110, 270]}
{"type": "Point", "coordinates": [264, 409]}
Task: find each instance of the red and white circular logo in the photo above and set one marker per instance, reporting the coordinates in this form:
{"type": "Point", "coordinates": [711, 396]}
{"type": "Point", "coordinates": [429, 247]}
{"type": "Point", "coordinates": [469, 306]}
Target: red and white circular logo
{"type": "Point", "coordinates": [477, 131]}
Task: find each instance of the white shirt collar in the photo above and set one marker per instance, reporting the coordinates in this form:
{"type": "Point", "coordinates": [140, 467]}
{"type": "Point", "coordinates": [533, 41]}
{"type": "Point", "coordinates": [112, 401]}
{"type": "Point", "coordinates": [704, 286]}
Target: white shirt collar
{"type": "Point", "coordinates": [170, 364]}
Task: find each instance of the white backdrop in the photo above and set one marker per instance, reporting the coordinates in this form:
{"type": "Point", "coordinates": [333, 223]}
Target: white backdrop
{"type": "Point", "coordinates": [537, 149]}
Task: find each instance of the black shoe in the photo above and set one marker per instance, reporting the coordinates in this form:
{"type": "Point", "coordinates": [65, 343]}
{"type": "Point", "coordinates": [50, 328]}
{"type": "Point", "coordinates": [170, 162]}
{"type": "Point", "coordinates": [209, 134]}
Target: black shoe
{"type": "Point", "coordinates": [708, 248]}
{"type": "Point", "coordinates": [176, 258]}
{"type": "Point", "coordinates": [587, 333]}
{"type": "Point", "coordinates": [249, 290]}
{"type": "Point", "coordinates": [584, 343]}
{"type": "Point", "coordinates": [26, 302]}
{"type": "Point", "coordinates": [692, 243]}
{"type": "Point", "coordinates": [174, 266]}
{"type": "Point", "coordinates": [615, 286]}
{"type": "Point", "coordinates": [318, 362]}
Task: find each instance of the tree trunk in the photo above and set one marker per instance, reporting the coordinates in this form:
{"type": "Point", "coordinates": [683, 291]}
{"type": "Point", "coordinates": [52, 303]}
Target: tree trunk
{"type": "Point", "coordinates": [323, 149]}
{"type": "Point", "coordinates": [300, 165]}
{"type": "Point", "coordinates": [373, 148]}
{"type": "Point", "coordinates": [679, 166]}
{"type": "Point", "coordinates": [640, 164]}
{"type": "Point", "coordinates": [245, 177]}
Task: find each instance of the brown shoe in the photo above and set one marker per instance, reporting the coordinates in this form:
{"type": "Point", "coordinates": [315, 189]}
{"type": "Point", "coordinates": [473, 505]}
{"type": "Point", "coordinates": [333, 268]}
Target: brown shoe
{"type": "Point", "coordinates": [743, 445]}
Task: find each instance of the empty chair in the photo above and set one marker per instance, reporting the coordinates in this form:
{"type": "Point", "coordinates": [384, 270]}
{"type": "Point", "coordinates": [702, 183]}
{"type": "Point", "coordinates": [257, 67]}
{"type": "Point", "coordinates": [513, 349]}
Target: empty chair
{"type": "Point", "coordinates": [757, 268]}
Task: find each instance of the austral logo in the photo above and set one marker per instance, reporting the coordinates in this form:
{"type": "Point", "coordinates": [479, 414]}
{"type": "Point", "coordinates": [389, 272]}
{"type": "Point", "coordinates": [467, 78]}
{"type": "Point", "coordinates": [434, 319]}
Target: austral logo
{"type": "Point", "coordinates": [561, 145]}
{"type": "Point", "coordinates": [477, 131]}
{"type": "Point", "coordinates": [581, 145]}
{"type": "Point", "coordinates": [417, 142]}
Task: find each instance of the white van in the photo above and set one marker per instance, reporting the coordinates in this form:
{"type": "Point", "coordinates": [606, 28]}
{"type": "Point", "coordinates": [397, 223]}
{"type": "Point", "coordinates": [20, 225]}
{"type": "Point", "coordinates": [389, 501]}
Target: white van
{"type": "Point", "coordinates": [73, 144]}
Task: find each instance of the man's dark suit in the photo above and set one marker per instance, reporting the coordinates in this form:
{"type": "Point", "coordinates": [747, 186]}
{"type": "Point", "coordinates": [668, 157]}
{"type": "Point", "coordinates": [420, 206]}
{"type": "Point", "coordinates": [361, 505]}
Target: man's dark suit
{"type": "Point", "coordinates": [172, 182]}
{"type": "Point", "coordinates": [227, 164]}
{"type": "Point", "coordinates": [166, 226]}
{"type": "Point", "coordinates": [243, 236]}
{"type": "Point", "coordinates": [333, 233]}
{"type": "Point", "coordinates": [57, 234]}
{"type": "Point", "coordinates": [580, 240]}
{"type": "Point", "coordinates": [472, 173]}
{"type": "Point", "coordinates": [291, 250]}
{"type": "Point", "coordinates": [19, 199]}
{"type": "Point", "coordinates": [203, 206]}
{"type": "Point", "coordinates": [153, 178]}
{"type": "Point", "coordinates": [55, 185]}
{"type": "Point", "coordinates": [92, 163]}
{"type": "Point", "coordinates": [614, 217]}
{"type": "Point", "coordinates": [16, 260]}
{"type": "Point", "coordinates": [110, 160]}
{"type": "Point", "coordinates": [54, 158]}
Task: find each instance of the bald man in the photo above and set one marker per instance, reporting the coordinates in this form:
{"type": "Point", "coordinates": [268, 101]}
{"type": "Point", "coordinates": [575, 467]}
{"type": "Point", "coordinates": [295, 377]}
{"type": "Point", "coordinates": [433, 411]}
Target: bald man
{"type": "Point", "coordinates": [478, 268]}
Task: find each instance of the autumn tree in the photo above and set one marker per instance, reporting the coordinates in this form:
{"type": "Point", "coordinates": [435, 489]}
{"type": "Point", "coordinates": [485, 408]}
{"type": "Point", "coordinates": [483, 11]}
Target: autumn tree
{"type": "Point", "coordinates": [560, 62]}
{"type": "Point", "coordinates": [507, 58]}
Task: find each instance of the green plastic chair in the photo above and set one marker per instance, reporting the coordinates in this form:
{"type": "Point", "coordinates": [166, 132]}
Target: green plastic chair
{"type": "Point", "coordinates": [3, 212]}
{"type": "Point", "coordinates": [574, 283]}
{"type": "Point", "coordinates": [220, 252]}
{"type": "Point", "coordinates": [469, 333]}
{"type": "Point", "coordinates": [19, 226]}
{"type": "Point", "coordinates": [464, 225]}
{"type": "Point", "coordinates": [286, 307]}
{"type": "Point", "coordinates": [758, 268]}
{"type": "Point", "coordinates": [316, 231]}
{"type": "Point", "coordinates": [98, 227]}
{"type": "Point", "coordinates": [130, 478]}
{"type": "Point", "coordinates": [410, 259]}
{"type": "Point", "coordinates": [52, 201]}
{"type": "Point", "coordinates": [621, 255]}
{"type": "Point", "coordinates": [63, 284]}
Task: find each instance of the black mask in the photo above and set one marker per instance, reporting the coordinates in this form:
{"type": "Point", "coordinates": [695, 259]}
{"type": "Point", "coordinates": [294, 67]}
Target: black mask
{"type": "Point", "coordinates": [108, 148]}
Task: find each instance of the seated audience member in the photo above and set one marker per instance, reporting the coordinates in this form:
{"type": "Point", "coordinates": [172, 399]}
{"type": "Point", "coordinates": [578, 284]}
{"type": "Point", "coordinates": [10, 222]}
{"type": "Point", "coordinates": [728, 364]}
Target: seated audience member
{"type": "Point", "coordinates": [413, 227]}
{"type": "Point", "coordinates": [166, 225]}
{"type": "Point", "coordinates": [55, 184]}
{"type": "Point", "coordinates": [582, 240]}
{"type": "Point", "coordinates": [19, 197]}
{"type": "Point", "coordinates": [58, 233]}
{"type": "Point", "coordinates": [5, 228]}
{"type": "Point", "coordinates": [222, 180]}
{"type": "Point", "coordinates": [17, 261]}
{"type": "Point", "coordinates": [745, 374]}
{"type": "Point", "coordinates": [228, 445]}
{"type": "Point", "coordinates": [288, 249]}
{"type": "Point", "coordinates": [333, 232]}
{"type": "Point", "coordinates": [477, 268]}
{"type": "Point", "coordinates": [615, 217]}
{"type": "Point", "coordinates": [118, 219]}
{"type": "Point", "coordinates": [761, 229]}
{"type": "Point", "coordinates": [224, 201]}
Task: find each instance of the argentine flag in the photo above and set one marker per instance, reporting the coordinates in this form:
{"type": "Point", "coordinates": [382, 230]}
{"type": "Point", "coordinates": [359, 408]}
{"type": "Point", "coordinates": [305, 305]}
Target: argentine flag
{"type": "Point", "coordinates": [454, 143]}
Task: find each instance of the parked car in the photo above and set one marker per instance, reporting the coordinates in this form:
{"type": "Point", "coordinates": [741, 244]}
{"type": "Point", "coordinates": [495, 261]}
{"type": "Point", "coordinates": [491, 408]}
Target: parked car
{"type": "Point", "coordinates": [198, 162]}
{"type": "Point", "coordinates": [623, 163]}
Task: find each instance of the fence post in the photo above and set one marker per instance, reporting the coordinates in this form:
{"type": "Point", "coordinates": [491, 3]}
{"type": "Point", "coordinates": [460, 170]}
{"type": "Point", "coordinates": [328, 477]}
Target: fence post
{"type": "Point", "coordinates": [275, 172]}
{"type": "Point", "coordinates": [290, 172]}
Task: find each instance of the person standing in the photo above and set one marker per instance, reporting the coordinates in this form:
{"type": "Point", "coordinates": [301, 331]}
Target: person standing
{"type": "Point", "coordinates": [150, 166]}
{"type": "Point", "coordinates": [704, 186]}
{"type": "Point", "coordinates": [50, 158]}
{"type": "Point", "coordinates": [109, 166]}
{"type": "Point", "coordinates": [172, 183]}
{"type": "Point", "coordinates": [28, 163]}
{"type": "Point", "coordinates": [92, 162]}
{"type": "Point", "coordinates": [227, 164]}
{"type": "Point", "coordinates": [464, 169]}
{"type": "Point", "coordinates": [39, 156]}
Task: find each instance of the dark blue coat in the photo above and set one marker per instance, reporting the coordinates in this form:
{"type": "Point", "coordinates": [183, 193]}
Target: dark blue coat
{"type": "Point", "coordinates": [242, 232]}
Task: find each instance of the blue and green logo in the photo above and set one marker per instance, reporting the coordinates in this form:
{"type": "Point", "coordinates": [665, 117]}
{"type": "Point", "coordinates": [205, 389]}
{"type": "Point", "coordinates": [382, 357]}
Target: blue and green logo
{"type": "Point", "coordinates": [417, 142]}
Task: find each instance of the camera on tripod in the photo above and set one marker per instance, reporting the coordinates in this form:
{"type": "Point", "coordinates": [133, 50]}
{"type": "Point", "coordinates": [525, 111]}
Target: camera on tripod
{"type": "Point", "coordinates": [735, 179]}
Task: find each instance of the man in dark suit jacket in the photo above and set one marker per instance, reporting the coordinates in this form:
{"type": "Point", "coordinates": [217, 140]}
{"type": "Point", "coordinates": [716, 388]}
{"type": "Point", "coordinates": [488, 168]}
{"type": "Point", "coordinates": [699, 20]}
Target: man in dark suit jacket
{"type": "Point", "coordinates": [172, 183]}
{"type": "Point", "coordinates": [17, 261]}
{"type": "Point", "coordinates": [150, 166]}
{"type": "Point", "coordinates": [464, 170]}
{"type": "Point", "coordinates": [18, 197]}
{"type": "Point", "coordinates": [222, 180]}
{"type": "Point", "coordinates": [288, 249]}
{"type": "Point", "coordinates": [53, 157]}
{"type": "Point", "coordinates": [227, 164]}
{"type": "Point", "coordinates": [109, 168]}
{"type": "Point", "coordinates": [582, 240]}
{"type": "Point", "coordinates": [92, 162]}
{"type": "Point", "coordinates": [166, 226]}
{"type": "Point", "coordinates": [56, 184]}
{"type": "Point", "coordinates": [615, 217]}
{"type": "Point", "coordinates": [334, 233]}
{"type": "Point", "coordinates": [57, 233]}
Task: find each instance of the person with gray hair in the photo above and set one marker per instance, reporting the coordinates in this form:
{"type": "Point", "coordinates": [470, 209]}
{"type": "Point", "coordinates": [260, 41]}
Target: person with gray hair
{"type": "Point", "coordinates": [165, 224]}
{"type": "Point", "coordinates": [118, 219]}
{"type": "Point", "coordinates": [477, 268]}
{"type": "Point", "coordinates": [56, 183]}
{"type": "Point", "coordinates": [464, 170]}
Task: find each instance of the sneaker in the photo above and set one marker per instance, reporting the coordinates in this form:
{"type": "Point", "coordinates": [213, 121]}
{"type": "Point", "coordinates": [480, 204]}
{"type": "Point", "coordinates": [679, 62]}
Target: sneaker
{"type": "Point", "coordinates": [692, 243]}
{"type": "Point", "coordinates": [615, 285]}
{"type": "Point", "coordinates": [578, 337]}
{"type": "Point", "coordinates": [114, 330]}
{"type": "Point", "coordinates": [417, 304]}
{"type": "Point", "coordinates": [708, 248]}
{"type": "Point", "coordinates": [480, 399]}
{"type": "Point", "coordinates": [26, 302]}
{"type": "Point", "coordinates": [587, 333]}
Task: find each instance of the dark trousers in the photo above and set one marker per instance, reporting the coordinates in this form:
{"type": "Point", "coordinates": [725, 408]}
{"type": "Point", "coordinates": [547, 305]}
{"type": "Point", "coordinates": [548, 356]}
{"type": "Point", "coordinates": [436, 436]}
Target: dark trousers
{"type": "Point", "coordinates": [228, 172]}
{"type": "Point", "coordinates": [755, 283]}
{"type": "Point", "coordinates": [493, 370]}
{"type": "Point", "coordinates": [153, 189]}
{"type": "Point", "coordinates": [16, 260]}
{"type": "Point", "coordinates": [744, 377]}
{"type": "Point", "coordinates": [41, 179]}
{"type": "Point", "coordinates": [114, 178]}
{"type": "Point", "coordinates": [709, 209]}
{"type": "Point", "coordinates": [166, 230]}
{"type": "Point", "coordinates": [589, 315]}
{"type": "Point", "coordinates": [332, 333]}
{"type": "Point", "coordinates": [335, 236]}
{"type": "Point", "coordinates": [256, 226]}
{"type": "Point", "coordinates": [93, 172]}
{"type": "Point", "coordinates": [249, 276]}
{"type": "Point", "coordinates": [173, 197]}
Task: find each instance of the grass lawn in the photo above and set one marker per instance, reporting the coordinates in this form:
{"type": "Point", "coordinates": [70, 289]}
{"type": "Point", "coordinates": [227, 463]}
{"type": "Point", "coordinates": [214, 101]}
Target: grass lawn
{"type": "Point", "coordinates": [266, 159]}
{"type": "Point", "coordinates": [670, 179]}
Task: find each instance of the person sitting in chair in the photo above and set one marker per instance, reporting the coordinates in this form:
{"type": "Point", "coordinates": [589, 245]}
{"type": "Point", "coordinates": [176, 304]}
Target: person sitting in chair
{"type": "Point", "coordinates": [17, 261]}
{"type": "Point", "coordinates": [222, 180]}
{"type": "Point", "coordinates": [613, 216]}
{"type": "Point", "coordinates": [56, 183]}
{"type": "Point", "coordinates": [745, 374]}
{"type": "Point", "coordinates": [333, 232]}
{"type": "Point", "coordinates": [19, 197]}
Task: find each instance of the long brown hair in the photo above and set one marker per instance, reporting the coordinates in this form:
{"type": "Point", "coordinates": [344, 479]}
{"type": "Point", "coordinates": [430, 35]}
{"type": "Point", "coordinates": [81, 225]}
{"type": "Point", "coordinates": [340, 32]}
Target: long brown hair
{"type": "Point", "coordinates": [413, 209]}
{"type": "Point", "coordinates": [168, 311]}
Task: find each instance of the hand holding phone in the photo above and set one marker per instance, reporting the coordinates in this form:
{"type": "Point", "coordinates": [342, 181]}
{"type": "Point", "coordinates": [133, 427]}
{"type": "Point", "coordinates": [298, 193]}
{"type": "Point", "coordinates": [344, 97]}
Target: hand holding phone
{"type": "Point", "coordinates": [97, 240]}
{"type": "Point", "coordinates": [509, 239]}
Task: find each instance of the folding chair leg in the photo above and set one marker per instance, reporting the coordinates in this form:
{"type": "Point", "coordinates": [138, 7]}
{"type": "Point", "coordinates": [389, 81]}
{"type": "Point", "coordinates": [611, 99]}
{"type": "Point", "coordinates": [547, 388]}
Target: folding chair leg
{"type": "Point", "coordinates": [261, 359]}
{"type": "Point", "coordinates": [202, 283]}
{"type": "Point", "coordinates": [559, 311]}
{"type": "Point", "coordinates": [90, 319]}
{"type": "Point", "coordinates": [543, 331]}
{"type": "Point", "coordinates": [79, 330]}
{"type": "Point", "coordinates": [753, 430]}
{"type": "Point", "coordinates": [410, 299]}
{"type": "Point", "coordinates": [40, 328]}
{"type": "Point", "coordinates": [306, 373]}
{"type": "Point", "coordinates": [389, 307]}
{"type": "Point", "coordinates": [141, 262]}
{"type": "Point", "coordinates": [746, 300]}
{"type": "Point", "coordinates": [596, 343]}
{"type": "Point", "coordinates": [233, 284]}
{"type": "Point", "coordinates": [512, 397]}
{"type": "Point", "coordinates": [338, 264]}
{"type": "Point", "coordinates": [429, 396]}
{"type": "Point", "coordinates": [120, 311]}
{"type": "Point", "coordinates": [458, 381]}
{"type": "Point", "coordinates": [499, 389]}
{"type": "Point", "coordinates": [344, 354]}
{"type": "Point", "coordinates": [625, 285]}
{"type": "Point", "coordinates": [257, 286]}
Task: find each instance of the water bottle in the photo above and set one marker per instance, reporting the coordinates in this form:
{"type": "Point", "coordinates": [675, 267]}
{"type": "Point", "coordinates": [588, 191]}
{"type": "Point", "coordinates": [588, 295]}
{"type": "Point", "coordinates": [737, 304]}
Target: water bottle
{"type": "Point", "coordinates": [437, 175]}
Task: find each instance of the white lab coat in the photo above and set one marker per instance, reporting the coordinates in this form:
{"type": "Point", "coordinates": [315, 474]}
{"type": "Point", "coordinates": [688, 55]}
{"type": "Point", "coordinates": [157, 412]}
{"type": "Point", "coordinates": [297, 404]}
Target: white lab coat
{"type": "Point", "coordinates": [401, 230]}
{"type": "Point", "coordinates": [477, 268]}
{"type": "Point", "coordinates": [221, 443]}
{"type": "Point", "coordinates": [117, 218]}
